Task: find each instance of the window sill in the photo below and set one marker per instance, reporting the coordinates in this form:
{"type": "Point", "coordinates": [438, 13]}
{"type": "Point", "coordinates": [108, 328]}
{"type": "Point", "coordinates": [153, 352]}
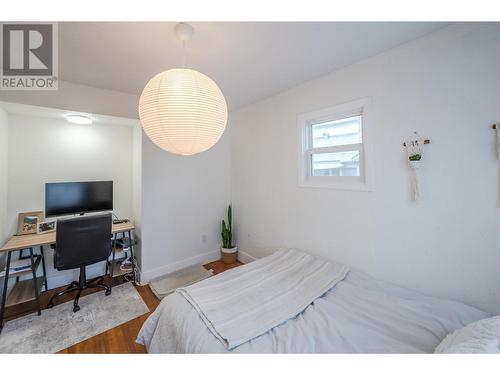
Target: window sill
{"type": "Point", "coordinates": [336, 185]}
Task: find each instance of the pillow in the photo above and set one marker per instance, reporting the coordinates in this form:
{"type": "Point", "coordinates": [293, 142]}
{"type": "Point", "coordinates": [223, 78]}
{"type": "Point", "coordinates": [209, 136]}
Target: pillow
{"type": "Point", "coordinates": [478, 337]}
{"type": "Point", "coordinates": [474, 346]}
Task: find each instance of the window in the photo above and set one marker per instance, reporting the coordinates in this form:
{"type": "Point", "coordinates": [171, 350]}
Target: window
{"type": "Point", "coordinates": [333, 147]}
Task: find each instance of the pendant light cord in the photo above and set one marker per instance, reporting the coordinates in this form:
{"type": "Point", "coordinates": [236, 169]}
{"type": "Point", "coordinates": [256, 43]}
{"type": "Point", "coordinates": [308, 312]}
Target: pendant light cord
{"type": "Point", "coordinates": [184, 32]}
{"type": "Point", "coordinates": [184, 54]}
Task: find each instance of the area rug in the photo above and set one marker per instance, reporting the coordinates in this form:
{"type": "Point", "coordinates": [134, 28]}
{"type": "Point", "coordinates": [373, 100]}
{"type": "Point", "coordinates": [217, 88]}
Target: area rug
{"type": "Point", "coordinates": [167, 284]}
{"type": "Point", "coordinates": [59, 327]}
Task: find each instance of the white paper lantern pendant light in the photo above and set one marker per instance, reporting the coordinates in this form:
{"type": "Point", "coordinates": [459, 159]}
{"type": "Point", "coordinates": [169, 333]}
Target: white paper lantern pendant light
{"type": "Point", "coordinates": [182, 110]}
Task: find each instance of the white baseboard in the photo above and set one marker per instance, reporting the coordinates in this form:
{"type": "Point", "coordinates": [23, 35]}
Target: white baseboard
{"type": "Point", "coordinates": [208, 257]}
{"type": "Point", "coordinates": [211, 256]}
{"type": "Point", "coordinates": [244, 257]}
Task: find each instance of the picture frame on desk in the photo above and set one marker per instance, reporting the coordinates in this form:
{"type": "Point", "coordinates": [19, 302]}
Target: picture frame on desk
{"type": "Point", "coordinates": [27, 222]}
{"type": "Point", "coordinates": [46, 226]}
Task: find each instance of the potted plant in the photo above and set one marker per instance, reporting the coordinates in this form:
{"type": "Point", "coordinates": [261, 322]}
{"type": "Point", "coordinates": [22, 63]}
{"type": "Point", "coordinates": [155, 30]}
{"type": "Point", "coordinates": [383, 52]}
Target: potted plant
{"type": "Point", "coordinates": [229, 253]}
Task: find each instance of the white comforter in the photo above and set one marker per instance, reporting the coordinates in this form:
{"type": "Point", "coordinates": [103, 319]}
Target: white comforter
{"type": "Point", "coordinates": [248, 301]}
{"type": "Point", "coordinates": [358, 315]}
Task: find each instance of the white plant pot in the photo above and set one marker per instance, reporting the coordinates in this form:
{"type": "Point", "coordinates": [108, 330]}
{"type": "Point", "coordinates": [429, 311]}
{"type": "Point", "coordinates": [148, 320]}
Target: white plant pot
{"type": "Point", "coordinates": [415, 164]}
{"type": "Point", "coordinates": [229, 251]}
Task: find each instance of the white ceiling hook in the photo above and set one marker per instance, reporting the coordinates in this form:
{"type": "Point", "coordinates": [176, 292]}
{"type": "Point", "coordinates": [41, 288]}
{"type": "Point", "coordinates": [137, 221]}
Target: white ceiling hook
{"type": "Point", "coordinates": [184, 31]}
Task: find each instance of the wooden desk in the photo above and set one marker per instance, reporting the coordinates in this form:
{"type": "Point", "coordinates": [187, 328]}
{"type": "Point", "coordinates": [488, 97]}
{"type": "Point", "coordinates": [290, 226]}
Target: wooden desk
{"type": "Point", "coordinates": [34, 240]}
{"type": "Point", "coordinates": [29, 289]}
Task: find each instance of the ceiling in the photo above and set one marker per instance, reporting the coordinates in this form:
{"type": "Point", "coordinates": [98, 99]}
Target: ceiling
{"type": "Point", "coordinates": [249, 61]}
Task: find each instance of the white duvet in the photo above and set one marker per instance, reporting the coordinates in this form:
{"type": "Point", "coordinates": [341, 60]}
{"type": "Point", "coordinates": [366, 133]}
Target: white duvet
{"type": "Point", "coordinates": [248, 301]}
{"type": "Point", "coordinates": [358, 315]}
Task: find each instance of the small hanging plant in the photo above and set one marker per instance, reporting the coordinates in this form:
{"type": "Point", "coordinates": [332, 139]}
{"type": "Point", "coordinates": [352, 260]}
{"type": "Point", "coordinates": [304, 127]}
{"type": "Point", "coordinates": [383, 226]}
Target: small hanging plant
{"type": "Point", "coordinates": [415, 157]}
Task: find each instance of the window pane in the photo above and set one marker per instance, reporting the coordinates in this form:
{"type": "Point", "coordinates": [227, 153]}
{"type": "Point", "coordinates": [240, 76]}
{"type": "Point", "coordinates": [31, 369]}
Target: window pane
{"type": "Point", "coordinates": [346, 131]}
{"type": "Point", "coordinates": [336, 164]}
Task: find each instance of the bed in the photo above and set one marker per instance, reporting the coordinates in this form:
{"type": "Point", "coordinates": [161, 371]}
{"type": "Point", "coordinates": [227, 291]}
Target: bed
{"type": "Point", "coordinates": [357, 314]}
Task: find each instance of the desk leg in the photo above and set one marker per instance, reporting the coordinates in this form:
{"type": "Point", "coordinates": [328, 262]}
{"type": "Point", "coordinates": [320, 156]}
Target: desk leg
{"type": "Point", "coordinates": [4, 294]}
{"type": "Point", "coordinates": [44, 269]}
{"type": "Point", "coordinates": [35, 284]}
{"type": "Point", "coordinates": [108, 292]}
{"type": "Point", "coordinates": [132, 257]}
{"type": "Point", "coordinates": [19, 258]}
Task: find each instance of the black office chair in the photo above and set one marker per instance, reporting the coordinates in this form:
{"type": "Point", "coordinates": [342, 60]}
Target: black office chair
{"type": "Point", "coordinates": [80, 242]}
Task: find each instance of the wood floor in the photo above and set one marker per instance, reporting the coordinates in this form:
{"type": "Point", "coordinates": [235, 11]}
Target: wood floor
{"type": "Point", "coordinates": [120, 339]}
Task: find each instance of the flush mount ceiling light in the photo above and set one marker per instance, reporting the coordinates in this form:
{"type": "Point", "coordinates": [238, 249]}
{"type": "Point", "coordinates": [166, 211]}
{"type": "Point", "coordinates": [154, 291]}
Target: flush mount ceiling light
{"type": "Point", "coordinates": [182, 110]}
{"type": "Point", "coordinates": [79, 119]}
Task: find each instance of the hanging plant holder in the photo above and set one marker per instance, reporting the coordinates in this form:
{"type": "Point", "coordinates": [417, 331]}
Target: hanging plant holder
{"type": "Point", "coordinates": [415, 150]}
{"type": "Point", "coordinates": [414, 164]}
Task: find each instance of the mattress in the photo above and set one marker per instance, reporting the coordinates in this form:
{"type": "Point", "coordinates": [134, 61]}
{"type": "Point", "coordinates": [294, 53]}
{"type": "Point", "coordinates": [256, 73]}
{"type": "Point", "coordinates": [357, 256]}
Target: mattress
{"type": "Point", "coordinates": [358, 315]}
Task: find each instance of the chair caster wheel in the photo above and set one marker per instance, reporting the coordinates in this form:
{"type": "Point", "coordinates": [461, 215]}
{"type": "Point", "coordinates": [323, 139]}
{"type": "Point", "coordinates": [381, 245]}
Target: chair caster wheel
{"type": "Point", "coordinates": [50, 305]}
{"type": "Point", "coordinates": [76, 308]}
{"type": "Point", "coordinates": [108, 292]}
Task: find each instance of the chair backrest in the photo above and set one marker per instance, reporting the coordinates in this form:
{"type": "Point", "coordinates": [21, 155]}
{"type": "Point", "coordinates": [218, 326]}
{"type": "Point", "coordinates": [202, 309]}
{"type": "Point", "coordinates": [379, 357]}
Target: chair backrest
{"type": "Point", "coordinates": [82, 241]}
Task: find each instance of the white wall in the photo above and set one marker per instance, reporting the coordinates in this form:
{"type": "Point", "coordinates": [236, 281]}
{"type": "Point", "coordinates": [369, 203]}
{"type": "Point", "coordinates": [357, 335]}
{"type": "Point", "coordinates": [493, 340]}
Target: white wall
{"type": "Point", "coordinates": [4, 147]}
{"type": "Point", "coordinates": [183, 200]}
{"type": "Point", "coordinates": [447, 87]}
{"type": "Point", "coordinates": [51, 150]}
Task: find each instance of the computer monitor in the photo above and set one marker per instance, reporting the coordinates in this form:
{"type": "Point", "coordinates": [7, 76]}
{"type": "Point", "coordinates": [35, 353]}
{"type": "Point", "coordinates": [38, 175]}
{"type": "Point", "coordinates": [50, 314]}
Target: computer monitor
{"type": "Point", "coordinates": [66, 198]}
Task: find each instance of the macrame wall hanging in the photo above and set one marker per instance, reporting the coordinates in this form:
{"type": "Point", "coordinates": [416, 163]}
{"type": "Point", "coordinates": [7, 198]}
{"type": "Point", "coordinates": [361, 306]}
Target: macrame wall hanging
{"type": "Point", "coordinates": [415, 151]}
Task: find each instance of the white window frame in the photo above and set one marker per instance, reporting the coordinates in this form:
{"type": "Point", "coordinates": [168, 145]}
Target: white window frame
{"type": "Point", "coordinates": [305, 121]}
